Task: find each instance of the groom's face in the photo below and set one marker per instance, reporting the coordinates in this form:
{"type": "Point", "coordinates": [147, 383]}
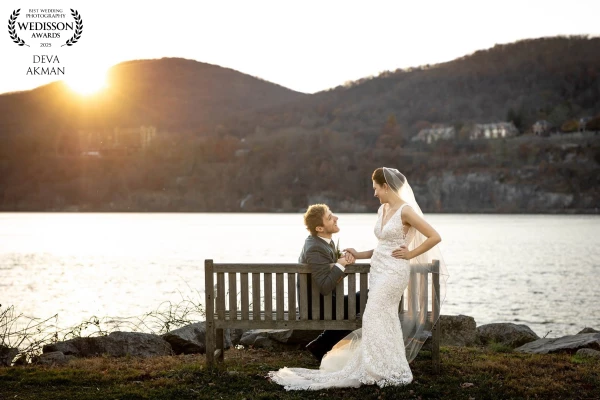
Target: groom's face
{"type": "Point", "coordinates": [330, 225]}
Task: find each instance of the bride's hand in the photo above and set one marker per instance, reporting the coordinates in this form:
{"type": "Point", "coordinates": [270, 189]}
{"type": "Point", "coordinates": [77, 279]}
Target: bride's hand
{"type": "Point", "coordinates": [402, 253]}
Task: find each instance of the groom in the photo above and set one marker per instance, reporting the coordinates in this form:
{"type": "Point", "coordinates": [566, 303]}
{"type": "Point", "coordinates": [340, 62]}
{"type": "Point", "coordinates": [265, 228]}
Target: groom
{"type": "Point", "coordinates": [319, 253]}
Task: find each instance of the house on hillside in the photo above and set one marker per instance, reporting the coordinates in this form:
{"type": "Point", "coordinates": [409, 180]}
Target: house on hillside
{"type": "Point", "coordinates": [583, 123]}
{"type": "Point", "coordinates": [541, 128]}
{"type": "Point", "coordinates": [493, 130]}
{"type": "Point", "coordinates": [124, 139]}
{"type": "Point", "coordinates": [140, 137]}
{"type": "Point", "coordinates": [434, 134]}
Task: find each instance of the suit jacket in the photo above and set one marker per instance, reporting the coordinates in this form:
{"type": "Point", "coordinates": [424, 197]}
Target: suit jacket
{"type": "Point", "coordinates": [320, 256]}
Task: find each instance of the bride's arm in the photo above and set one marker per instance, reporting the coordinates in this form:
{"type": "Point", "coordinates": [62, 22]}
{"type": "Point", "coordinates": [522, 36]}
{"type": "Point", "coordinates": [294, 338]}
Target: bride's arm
{"type": "Point", "coordinates": [360, 254]}
{"type": "Point", "coordinates": [416, 221]}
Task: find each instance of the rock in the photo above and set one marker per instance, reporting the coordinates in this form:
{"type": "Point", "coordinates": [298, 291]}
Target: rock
{"type": "Point", "coordinates": [290, 336]}
{"type": "Point", "coordinates": [458, 330]}
{"type": "Point", "coordinates": [588, 330]}
{"type": "Point", "coordinates": [236, 336]}
{"type": "Point", "coordinates": [508, 334]}
{"type": "Point", "coordinates": [566, 344]}
{"type": "Point", "coordinates": [266, 339]}
{"type": "Point", "coordinates": [54, 358]}
{"type": "Point", "coordinates": [116, 344]}
{"type": "Point", "coordinates": [191, 339]}
{"type": "Point", "coordinates": [7, 354]}
{"type": "Point", "coordinates": [591, 353]}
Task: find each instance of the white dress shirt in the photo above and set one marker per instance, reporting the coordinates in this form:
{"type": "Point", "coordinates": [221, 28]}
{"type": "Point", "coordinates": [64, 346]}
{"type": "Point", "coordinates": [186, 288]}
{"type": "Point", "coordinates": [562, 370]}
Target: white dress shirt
{"type": "Point", "coordinates": [328, 240]}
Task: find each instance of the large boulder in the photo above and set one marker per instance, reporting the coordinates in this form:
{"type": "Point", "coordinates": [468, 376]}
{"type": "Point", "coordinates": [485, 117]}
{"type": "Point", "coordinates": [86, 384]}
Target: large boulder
{"type": "Point", "coordinates": [588, 330]}
{"type": "Point", "coordinates": [54, 358]}
{"type": "Point", "coordinates": [278, 339]}
{"type": "Point", "coordinates": [116, 344]}
{"type": "Point", "coordinates": [589, 353]}
{"type": "Point", "coordinates": [7, 354]}
{"type": "Point", "coordinates": [566, 344]}
{"type": "Point", "coordinates": [294, 337]}
{"type": "Point", "coordinates": [458, 330]}
{"type": "Point", "coordinates": [508, 334]}
{"type": "Point", "coordinates": [191, 339]}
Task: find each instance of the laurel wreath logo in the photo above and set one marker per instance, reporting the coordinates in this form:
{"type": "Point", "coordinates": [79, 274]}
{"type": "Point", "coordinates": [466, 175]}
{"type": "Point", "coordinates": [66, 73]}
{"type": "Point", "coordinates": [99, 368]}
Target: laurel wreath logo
{"type": "Point", "coordinates": [11, 29]}
{"type": "Point", "coordinates": [78, 29]}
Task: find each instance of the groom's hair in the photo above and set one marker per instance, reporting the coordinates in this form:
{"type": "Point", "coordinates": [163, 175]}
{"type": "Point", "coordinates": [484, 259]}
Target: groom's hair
{"type": "Point", "coordinates": [313, 217]}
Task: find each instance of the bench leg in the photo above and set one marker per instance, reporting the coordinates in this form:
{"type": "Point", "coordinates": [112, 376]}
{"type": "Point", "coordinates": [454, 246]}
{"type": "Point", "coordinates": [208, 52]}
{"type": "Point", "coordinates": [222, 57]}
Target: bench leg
{"type": "Point", "coordinates": [210, 344]}
{"type": "Point", "coordinates": [220, 345]}
{"type": "Point", "coordinates": [435, 347]}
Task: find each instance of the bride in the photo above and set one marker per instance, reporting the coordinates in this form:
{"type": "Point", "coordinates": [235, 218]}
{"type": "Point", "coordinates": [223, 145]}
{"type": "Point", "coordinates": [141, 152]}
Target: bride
{"type": "Point", "coordinates": [379, 353]}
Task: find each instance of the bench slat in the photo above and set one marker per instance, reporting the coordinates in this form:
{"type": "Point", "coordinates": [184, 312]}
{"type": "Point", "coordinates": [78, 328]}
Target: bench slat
{"type": "Point", "coordinates": [244, 296]}
{"type": "Point", "coordinates": [233, 293]}
{"type": "Point", "coordinates": [316, 302]}
{"type": "Point", "coordinates": [292, 293]}
{"type": "Point", "coordinates": [294, 324]}
{"type": "Point", "coordinates": [302, 268]}
{"type": "Point", "coordinates": [221, 295]}
{"type": "Point", "coordinates": [339, 300]}
{"type": "Point", "coordinates": [256, 295]}
{"type": "Point", "coordinates": [268, 280]}
{"type": "Point", "coordinates": [364, 288]}
{"type": "Point", "coordinates": [412, 290]}
{"type": "Point", "coordinates": [303, 299]}
{"type": "Point", "coordinates": [351, 296]}
{"type": "Point", "coordinates": [327, 304]}
{"type": "Point", "coordinates": [281, 268]}
{"type": "Point", "coordinates": [423, 285]}
{"type": "Point", "coordinates": [279, 295]}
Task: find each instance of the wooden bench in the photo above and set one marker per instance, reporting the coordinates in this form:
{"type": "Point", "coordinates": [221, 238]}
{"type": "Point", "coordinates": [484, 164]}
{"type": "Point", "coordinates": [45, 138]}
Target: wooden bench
{"type": "Point", "coordinates": [223, 310]}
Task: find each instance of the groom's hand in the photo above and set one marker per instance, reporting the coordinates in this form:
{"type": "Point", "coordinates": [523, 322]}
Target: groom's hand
{"type": "Point", "coordinates": [352, 252]}
{"type": "Point", "coordinates": [349, 257]}
{"type": "Point", "coordinates": [342, 261]}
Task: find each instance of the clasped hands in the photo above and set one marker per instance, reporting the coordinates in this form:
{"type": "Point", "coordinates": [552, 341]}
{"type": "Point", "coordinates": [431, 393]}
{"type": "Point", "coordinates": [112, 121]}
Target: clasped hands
{"type": "Point", "coordinates": [346, 258]}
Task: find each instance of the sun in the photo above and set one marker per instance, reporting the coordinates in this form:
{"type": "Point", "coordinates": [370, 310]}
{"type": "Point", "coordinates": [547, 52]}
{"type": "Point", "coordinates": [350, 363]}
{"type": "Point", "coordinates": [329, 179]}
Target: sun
{"type": "Point", "coordinates": [88, 81]}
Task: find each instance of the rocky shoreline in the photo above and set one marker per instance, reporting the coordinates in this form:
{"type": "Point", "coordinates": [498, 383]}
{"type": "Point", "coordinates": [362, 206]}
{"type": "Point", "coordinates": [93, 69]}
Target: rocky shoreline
{"type": "Point", "coordinates": [457, 330]}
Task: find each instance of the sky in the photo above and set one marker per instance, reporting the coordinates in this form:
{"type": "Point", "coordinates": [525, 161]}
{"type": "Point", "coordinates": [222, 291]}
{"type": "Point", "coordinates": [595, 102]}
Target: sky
{"type": "Point", "coordinates": [307, 46]}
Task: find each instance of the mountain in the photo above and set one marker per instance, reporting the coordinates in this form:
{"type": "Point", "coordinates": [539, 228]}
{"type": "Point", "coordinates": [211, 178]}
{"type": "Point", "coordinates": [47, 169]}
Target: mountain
{"type": "Point", "coordinates": [170, 93]}
{"type": "Point", "coordinates": [256, 146]}
{"type": "Point", "coordinates": [553, 78]}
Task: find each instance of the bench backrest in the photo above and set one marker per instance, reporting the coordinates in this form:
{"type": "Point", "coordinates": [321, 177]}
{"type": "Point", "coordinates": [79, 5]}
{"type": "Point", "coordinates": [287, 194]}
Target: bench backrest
{"type": "Point", "coordinates": [272, 308]}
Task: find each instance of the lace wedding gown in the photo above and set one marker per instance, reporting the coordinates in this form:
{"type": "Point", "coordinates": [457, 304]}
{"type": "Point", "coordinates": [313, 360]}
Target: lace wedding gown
{"type": "Point", "coordinates": [376, 355]}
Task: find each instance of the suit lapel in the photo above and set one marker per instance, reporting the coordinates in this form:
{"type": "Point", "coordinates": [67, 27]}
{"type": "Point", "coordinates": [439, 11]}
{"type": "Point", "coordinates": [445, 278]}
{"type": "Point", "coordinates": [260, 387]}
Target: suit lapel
{"type": "Point", "coordinates": [329, 248]}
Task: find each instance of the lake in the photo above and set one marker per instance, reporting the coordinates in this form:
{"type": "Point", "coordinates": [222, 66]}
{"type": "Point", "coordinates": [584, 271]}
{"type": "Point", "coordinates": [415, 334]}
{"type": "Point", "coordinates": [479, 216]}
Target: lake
{"type": "Point", "coordinates": [538, 270]}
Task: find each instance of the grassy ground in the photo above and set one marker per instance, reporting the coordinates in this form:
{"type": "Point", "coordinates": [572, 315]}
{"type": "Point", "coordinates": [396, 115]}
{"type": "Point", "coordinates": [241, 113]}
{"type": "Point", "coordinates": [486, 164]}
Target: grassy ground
{"type": "Point", "coordinates": [467, 373]}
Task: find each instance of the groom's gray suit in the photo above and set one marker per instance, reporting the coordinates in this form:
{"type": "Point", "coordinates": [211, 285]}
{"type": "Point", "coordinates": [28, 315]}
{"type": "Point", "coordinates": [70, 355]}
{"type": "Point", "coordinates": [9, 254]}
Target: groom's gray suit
{"type": "Point", "coordinates": [320, 256]}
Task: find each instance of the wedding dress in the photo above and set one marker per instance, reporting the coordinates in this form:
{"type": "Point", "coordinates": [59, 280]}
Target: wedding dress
{"type": "Point", "coordinates": [374, 354]}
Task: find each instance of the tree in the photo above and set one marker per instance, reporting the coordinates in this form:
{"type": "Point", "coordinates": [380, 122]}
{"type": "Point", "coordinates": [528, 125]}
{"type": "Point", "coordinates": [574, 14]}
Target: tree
{"type": "Point", "coordinates": [517, 118]}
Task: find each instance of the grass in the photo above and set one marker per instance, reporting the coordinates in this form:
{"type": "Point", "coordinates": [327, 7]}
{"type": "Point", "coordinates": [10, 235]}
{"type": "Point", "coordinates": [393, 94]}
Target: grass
{"type": "Point", "coordinates": [467, 373]}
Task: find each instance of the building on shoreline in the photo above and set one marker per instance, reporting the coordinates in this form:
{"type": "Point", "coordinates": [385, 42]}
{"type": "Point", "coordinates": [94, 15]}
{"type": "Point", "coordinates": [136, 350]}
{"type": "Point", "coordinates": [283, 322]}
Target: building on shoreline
{"type": "Point", "coordinates": [493, 130]}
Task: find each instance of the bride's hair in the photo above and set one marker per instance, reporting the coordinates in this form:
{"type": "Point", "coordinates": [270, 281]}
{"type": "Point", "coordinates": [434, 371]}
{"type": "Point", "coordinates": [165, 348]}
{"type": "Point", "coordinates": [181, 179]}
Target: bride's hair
{"type": "Point", "coordinates": [313, 217]}
{"type": "Point", "coordinates": [378, 176]}
{"type": "Point", "coordinates": [394, 179]}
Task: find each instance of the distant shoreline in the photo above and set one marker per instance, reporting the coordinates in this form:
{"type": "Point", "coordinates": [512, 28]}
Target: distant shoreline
{"type": "Point", "coordinates": [566, 212]}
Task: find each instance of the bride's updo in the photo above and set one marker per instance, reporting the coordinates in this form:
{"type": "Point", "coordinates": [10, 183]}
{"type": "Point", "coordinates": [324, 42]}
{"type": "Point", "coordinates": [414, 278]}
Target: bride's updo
{"type": "Point", "coordinates": [394, 178]}
{"type": "Point", "coordinates": [378, 176]}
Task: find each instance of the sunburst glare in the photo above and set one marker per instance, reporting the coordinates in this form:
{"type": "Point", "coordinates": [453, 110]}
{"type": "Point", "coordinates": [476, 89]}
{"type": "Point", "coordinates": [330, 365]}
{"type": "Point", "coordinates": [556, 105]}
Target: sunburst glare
{"type": "Point", "coordinates": [87, 81]}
